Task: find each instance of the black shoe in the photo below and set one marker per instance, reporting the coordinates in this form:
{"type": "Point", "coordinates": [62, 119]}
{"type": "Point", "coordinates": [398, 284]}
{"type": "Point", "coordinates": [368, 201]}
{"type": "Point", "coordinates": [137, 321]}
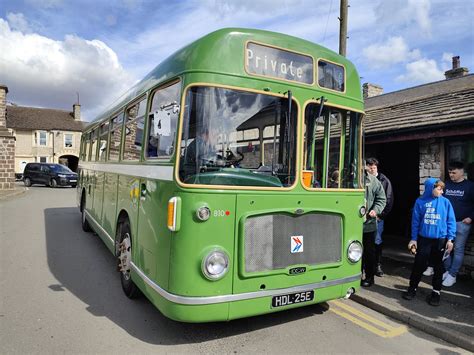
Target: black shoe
{"type": "Point", "coordinates": [409, 294]}
{"type": "Point", "coordinates": [379, 271]}
{"type": "Point", "coordinates": [367, 282]}
{"type": "Point", "coordinates": [433, 299]}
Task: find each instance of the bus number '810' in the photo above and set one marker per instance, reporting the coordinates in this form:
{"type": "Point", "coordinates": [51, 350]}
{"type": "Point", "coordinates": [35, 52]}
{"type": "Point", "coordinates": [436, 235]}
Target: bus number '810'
{"type": "Point", "coordinates": [221, 213]}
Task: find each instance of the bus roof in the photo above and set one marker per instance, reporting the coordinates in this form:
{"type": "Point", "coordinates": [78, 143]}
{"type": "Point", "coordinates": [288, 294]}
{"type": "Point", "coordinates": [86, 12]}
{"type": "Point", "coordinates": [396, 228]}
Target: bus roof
{"type": "Point", "coordinates": [217, 53]}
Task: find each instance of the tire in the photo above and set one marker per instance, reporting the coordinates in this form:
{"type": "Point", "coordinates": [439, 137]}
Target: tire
{"type": "Point", "coordinates": [85, 224]}
{"type": "Point", "coordinates": [124, 259]}
{"type": "Point", "coordinates": [73, 186]}
{"type": "Point", "coordinates": [53, 183]}
{"type": "Point", "coordinates": [27, 182]}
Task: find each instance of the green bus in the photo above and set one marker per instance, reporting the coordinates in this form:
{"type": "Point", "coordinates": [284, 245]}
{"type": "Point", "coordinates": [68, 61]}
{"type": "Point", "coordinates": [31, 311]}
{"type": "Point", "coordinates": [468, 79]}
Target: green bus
{"type": "Point", "coordinates": [228, 182]}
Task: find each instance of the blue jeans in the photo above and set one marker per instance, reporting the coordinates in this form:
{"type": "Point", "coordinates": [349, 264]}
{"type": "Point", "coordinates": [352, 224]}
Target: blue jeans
{"type": "Point", "coordinates": [454, 262]}
{"type": "Point", "coordinates": [378, 237]}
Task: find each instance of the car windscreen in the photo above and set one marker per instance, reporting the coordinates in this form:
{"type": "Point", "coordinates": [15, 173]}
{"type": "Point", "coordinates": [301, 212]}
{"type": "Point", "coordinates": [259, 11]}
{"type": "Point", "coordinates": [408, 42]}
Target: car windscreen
{"type": "Point", "coordinates": [58, 168]}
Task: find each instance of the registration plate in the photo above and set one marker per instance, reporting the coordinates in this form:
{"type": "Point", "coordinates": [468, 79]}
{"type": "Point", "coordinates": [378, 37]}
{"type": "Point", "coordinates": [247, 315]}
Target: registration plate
{"type": "Point", "coordinates": [292, 298]}
{"type": "Point", "coordinates": [73, 180]}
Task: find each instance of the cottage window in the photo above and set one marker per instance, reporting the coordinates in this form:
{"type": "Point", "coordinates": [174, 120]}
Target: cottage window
{"type": "Point", "coordinates": [68, 139]}
{"type": "Point", "coordinates": [42, 138]}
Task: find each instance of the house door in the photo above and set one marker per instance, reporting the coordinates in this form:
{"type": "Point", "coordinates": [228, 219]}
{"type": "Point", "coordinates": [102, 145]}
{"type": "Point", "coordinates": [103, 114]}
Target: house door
{"type": "Point", "coordinates": [399, 161]}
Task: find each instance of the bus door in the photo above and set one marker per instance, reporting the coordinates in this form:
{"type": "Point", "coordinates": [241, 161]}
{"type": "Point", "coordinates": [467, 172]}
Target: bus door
{"type": "Point", "coordinates": [153, 236]}
{"type": "Point", "coordinates": [159, 146]}
{"type": "Point", "coordinates": [99, 178]}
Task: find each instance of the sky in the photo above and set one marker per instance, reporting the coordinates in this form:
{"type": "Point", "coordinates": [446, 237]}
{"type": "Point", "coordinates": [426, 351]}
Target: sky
{"type": "Point", "coordinates": [53, 52]}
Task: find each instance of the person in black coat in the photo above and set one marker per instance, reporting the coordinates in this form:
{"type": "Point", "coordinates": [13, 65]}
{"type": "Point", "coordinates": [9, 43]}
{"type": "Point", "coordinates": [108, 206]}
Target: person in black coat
{"type": "Point", "coordinates": [372, 168]}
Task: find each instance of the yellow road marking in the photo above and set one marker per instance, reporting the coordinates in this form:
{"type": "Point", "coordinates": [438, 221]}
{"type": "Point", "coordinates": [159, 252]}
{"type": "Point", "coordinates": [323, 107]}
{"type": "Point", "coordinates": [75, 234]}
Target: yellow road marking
{"type": "Point", "coordinates": [365, 321]}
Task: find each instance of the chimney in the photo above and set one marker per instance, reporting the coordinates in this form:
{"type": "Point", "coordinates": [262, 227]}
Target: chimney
{"type": "Point", "coordinates": [3, 106]}
{"type": "Point", "coordinates": [76, 112]}
{"type": "Point", "coordinates": [370, 90]}
{"type": "Point", "coordinates": [457, 71]}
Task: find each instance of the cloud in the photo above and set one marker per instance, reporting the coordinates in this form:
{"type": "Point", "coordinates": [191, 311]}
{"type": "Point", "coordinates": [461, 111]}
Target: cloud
{"type": "Point", "coordinates": [446, 61]}
{"type": "Point", "coordinates": [421, 71]}
{"type": "Point", "coordinates": [43, 72]}
{"type": "Point", "coordinates": [405, 14]}
{"type": "Point", "coordinates": [18, 22]}
{"type": "Point", "coordinates": [394, 51]}
{"type": "Point", "coordinates": [421, 12]}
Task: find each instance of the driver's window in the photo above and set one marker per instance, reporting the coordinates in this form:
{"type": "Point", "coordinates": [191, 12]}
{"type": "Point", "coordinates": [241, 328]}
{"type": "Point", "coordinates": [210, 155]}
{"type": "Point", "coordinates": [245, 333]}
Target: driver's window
{"type": "Point", "coordinates": [163, 122]}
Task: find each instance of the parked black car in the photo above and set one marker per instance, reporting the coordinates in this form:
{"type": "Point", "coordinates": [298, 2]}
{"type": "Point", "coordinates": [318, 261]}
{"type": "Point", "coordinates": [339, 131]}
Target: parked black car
{"type": "Point", "coordinates": [49, 174]}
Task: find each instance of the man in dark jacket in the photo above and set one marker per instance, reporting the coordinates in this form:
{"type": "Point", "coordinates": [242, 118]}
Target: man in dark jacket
{"type": "Point", "coordinates": [372, 168]}
{"type": "Point", "coordinates": [375, 203]}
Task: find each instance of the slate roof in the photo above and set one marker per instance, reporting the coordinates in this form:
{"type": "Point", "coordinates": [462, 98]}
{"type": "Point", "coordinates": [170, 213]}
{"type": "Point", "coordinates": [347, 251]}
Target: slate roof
{"type": "Point", "coordinates": [431, 106]}
{"type": "Point", "coordinates": [33, 118]}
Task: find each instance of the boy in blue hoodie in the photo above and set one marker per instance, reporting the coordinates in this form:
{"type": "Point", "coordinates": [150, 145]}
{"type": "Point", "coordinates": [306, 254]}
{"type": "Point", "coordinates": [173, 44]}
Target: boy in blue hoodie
{"type": "Point", "coordinates": [433, 230]}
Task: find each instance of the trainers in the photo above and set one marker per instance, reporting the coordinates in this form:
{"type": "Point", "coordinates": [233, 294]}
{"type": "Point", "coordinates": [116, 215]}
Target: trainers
{"type": "Point", "coordinates": [409, 294]}
{"type": "Point", "coordinates": [449, 281]}
{"type": "Point", "coordinates": [433, 298]}
{"type": "Point", "coordinates": [367, 282]}
{"type": "Point", "coordinates": [429, 271]}
{"type": "Point", "coordinates": [445, 275]}
{"type": "Point", "coordinates": [379, 271]}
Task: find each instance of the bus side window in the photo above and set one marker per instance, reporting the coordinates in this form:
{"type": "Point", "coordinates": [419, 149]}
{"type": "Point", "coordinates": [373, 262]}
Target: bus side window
{"type": "Point", "coordinates": [104, 135]}
{"type": "Point", "coordinates": [93, 152]}
{"type": "Point", "coordinates": [115, 137]}
{"type": "Point", "coordinates": [134, 123]}
{"type": "Point", "coordinates": [163, 121]}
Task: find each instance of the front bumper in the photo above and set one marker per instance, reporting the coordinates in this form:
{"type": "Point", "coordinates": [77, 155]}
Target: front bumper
{"type": "Point", "coordinates": [234, 306]}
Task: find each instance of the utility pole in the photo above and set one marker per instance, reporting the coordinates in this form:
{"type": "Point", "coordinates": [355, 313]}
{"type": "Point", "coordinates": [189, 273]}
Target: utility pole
{"type": "Point", "coordinates": [343, 27]}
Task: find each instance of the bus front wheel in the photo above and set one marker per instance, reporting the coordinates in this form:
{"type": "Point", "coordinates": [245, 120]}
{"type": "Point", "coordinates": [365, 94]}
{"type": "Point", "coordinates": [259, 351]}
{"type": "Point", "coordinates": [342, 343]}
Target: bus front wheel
{"type": "Point", "coordinates": [125, 260]}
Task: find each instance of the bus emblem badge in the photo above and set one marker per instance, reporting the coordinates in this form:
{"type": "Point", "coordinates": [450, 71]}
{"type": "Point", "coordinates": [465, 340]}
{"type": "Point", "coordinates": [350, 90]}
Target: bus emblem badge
{"type": "Point", "coordinates": [296, 244]}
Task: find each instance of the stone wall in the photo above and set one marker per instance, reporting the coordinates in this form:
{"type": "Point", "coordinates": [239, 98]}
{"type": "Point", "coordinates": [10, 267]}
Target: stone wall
{"type": "Point", "coordinates": [371, 90]}
{"type": "Point", "coordinates": [7, 161]}
{"type": "Point", "coordinates": [430, 160]}
{"type": "Point", "coordinates": [7, 146]}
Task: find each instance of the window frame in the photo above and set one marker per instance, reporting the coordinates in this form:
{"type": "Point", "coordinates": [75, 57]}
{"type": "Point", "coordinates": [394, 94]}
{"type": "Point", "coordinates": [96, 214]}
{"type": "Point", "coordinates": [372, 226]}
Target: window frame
{"type": "Point", "coordinates": [142, 98]}
{"type": "Point", "coordinates": [38, 143]}
{"type": "Point", "coordinates": [342, 147]}
{"type": "Point", "coordinates": [152, 94]}
{"type": "Point", "coordinates": [72, 140]}
{"type": "Point", "coordinates": [112, 128]}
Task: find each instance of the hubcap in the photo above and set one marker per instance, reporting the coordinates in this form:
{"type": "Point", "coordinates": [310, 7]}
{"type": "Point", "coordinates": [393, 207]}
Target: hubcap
{"type": "Point", "coordinates": [125, 256]}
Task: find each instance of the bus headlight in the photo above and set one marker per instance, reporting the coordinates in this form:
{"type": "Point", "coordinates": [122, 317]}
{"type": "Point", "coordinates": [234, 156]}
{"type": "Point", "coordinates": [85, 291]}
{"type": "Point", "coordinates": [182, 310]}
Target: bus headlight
{"type": "Point", "coordinates": [215, 265]}
{"type": "Point", "coordinates": [203, 213]}
{"type": "Point", "coordinates": [354, 252]}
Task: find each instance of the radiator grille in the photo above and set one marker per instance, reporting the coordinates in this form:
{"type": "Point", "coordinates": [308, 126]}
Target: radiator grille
{"type": "Point", "coordinates": [268, 243]}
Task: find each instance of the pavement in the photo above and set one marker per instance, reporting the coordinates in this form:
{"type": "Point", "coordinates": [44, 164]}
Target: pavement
{"type": "Point", "coordinates": [452, 321]}
{"type": "Point", "coordinates": [18, 190]}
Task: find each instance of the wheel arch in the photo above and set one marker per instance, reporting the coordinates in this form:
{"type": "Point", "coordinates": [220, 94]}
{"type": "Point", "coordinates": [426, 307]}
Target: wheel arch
{"type": "Point", "coordinates": [122, 217]}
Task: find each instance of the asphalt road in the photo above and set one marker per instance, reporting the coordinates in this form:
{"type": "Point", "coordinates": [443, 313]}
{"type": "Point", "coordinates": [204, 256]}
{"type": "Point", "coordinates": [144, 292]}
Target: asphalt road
{"type": "Point", "coordinates": [60, 293]}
